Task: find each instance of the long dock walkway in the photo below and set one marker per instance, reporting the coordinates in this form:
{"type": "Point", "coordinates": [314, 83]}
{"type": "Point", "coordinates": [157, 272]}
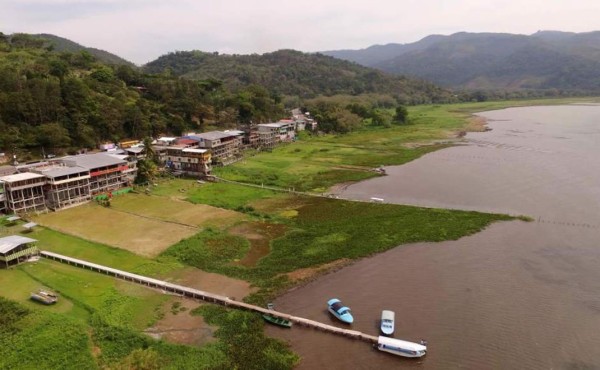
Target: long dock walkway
{"type": "Point", "coordinates": [204, 296]}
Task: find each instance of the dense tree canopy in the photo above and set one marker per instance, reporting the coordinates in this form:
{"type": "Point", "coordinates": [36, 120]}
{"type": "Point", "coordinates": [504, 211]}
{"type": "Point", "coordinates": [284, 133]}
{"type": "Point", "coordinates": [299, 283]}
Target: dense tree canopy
{"type": "Point", "coordinates": [62, 101]}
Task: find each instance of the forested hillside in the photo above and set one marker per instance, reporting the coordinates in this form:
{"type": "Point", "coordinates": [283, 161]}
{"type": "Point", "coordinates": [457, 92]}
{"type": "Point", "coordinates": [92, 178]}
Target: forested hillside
{"type": "Point", "coordinates": [293, 73]}
{"type": "Point", "coordinates": [65, 45]}
{"type": "Point", "coordinates": [558, 62]}
{"type": "Point", "coordinates": [63, 101]}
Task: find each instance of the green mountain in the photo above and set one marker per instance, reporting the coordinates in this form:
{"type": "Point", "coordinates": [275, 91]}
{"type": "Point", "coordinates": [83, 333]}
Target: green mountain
{"type": "Point", "coordinates": [545, 60]}
{"type": "Point", "coordinates": [64, 101]}
{"type": "Point", "coordinates": [290, 72]}
{"type": "Point", "coordinates": [62, 44]}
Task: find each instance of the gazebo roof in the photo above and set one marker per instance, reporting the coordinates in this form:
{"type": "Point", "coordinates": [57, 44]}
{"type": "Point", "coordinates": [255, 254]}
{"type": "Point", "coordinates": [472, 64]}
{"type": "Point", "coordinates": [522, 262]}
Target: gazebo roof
{"type": "Point", "coordinates": [9, 243]}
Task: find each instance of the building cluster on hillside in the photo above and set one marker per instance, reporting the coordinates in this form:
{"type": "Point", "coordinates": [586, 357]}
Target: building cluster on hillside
{"type": "Point", "coordinates": [59, 183]}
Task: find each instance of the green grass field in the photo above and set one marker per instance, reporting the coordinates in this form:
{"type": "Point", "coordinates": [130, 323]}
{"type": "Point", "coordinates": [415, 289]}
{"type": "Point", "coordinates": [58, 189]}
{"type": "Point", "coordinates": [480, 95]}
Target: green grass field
{"type": "Point", "coordinates": [141, 235]}
{"type": "Point", "coordinates": [173, 210]}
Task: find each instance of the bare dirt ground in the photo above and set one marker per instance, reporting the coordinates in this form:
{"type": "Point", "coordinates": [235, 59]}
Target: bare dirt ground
{"type": "Point", "coordinates": [477, 124]}
{"type": "Point", "coordinates": [312, 272]}
{"type": "Point", "coordinates": [211, 282]}
{"type": "Point", "coordinates": [259, 234]}
{"type": "Point", "coordinates": [179, 326]}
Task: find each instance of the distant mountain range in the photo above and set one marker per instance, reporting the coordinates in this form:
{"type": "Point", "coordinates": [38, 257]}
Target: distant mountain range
{"type": "Point", "coordinates": [543, 60]}
{"type": "Point", "coordinates": [62, 44]}
{"type": "Point", "coordinates": [290, 72]}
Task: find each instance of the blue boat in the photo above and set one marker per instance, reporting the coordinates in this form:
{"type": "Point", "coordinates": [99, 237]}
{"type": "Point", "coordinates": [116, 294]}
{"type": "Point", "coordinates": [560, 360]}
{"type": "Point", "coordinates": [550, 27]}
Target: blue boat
{"type": "Point", "coordinates": [340, 311]}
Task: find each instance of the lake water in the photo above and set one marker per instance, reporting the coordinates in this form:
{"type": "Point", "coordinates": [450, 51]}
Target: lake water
{"type": "Point", "coordinates": [519, 295]}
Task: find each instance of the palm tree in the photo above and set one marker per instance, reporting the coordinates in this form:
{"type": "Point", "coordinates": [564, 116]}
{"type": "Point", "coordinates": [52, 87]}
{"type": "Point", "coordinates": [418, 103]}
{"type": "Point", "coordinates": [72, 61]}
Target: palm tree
{"type": "Point", "coordinates": [149, 150]}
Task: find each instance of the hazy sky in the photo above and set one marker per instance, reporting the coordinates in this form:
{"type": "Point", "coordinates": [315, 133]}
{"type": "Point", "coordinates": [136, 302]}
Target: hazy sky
{"type": "Point", "coordinates": [142, 30]}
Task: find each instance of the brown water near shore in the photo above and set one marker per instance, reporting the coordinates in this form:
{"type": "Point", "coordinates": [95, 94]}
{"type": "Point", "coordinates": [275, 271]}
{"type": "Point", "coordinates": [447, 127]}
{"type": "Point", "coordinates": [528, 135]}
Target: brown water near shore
{"type": "Point", "coordinates": [517, 295]}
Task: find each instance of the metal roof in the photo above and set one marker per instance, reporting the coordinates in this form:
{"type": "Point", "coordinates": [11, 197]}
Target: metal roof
{"type": "Point", "coordinates": [235, 132]}
{"type": "Point", "coordinates": [214, 135]}
{"type": "Point", "coordinates": [187, 141]}
{"type": "Point", "coordinates": [119, 156]}
{"type": "Point", "coordinates": [63, 171]}
{"type": "Point", "coordinates": [9, 243]}
{"type": "Point", "coordinates": [275, 124]}
{"type": "Point", "coordinates": [135, 149]}
{"type": "Point", "coordinates": [20, 177]}
{"type": "Point", "coordinates": [191, 150]}
{"type": "Point", "coordinates": [91, 161]}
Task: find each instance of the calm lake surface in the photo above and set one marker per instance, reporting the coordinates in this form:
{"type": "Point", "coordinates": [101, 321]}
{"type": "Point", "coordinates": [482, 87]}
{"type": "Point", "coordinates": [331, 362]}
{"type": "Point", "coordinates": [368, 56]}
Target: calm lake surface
{"type": "Point", "coordinates": [517, 295]}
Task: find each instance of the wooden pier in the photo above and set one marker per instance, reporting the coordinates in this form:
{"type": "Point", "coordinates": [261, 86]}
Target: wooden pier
{"type": "Point", "coordinates": [205, 296]}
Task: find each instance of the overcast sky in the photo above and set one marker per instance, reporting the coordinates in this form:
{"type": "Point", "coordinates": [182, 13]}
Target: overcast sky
{"type": "Point", "coordinates": [142, 30]}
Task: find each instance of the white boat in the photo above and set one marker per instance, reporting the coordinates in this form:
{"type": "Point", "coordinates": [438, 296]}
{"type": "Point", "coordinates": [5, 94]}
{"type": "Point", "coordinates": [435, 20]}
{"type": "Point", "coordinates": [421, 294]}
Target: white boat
{"type": "Point", "coordinates": [387, 322]}
{"type": "Point", "coordinates": [401, 347]}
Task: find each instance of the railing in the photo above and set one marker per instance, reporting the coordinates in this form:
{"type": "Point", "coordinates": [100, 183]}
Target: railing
{"type": "Point", "coordinates": [205, 296]}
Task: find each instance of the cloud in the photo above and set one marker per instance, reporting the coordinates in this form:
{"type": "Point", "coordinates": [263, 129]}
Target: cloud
{"type": "Point", "coordinates": [141, 30]}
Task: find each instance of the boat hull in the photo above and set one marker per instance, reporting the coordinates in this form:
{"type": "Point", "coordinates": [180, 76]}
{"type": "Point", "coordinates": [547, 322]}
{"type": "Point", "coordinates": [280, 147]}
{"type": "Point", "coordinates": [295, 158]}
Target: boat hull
{"type": "Point", "coordinates": [277, 321]}
{"type": "Point", "coordinates": [403, 353]}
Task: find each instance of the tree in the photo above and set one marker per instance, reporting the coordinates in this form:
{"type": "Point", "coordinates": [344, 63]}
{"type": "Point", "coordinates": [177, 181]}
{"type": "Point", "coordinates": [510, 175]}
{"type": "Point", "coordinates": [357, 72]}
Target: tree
{"type": "Point", "coordinates": [381, 117]}
{"type": "Point", "coordinates": [401, 114]}
{"type": "Point", "coordinates": [146, 171]}
{"type": "Point", "coordinates": [53, 135]}
{"type": "Point", "coordinates": [149, 150]}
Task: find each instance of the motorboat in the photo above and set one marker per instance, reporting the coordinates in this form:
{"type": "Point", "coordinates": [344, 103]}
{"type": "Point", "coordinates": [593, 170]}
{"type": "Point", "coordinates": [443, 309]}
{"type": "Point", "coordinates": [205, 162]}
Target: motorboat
{"type": "Point", "coordinates": [387, 322]}
{"type": "Point", "coordinates": [401, 347]}
{"type": "Point", "coordinates": [276, 320]}
{"type": "Point", "coordinates": [340, 311]}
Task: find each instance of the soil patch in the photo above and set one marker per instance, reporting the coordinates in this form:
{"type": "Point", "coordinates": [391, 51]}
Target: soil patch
{"type": "Point", "coordinates": [278, 204]}
{"type": "Point", "coordinates": [312, 272]}
{"type": "Point", "coordinates": [338, 188]}
{"type": "Point", "coordinates": [477, 124]}
{"type": "Point", "coordinates": [179, 326]}
{"type": "Point", "coordinates": [259, 234]}
{"type": "Point", "coordinates": [211, 282]}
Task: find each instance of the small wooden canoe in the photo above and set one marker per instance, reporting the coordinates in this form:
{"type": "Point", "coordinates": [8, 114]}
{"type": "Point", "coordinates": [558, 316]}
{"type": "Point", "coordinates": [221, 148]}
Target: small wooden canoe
{"type": "Point", "coordinates": [276, 320]}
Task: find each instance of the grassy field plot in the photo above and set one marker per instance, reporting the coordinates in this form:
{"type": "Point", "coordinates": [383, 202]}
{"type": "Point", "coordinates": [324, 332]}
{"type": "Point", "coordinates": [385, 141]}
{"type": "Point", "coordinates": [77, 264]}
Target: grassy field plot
{"type": "Point", "coordinates": [141, 235]}
{"type": "Point", "coordinates": [176, 211]}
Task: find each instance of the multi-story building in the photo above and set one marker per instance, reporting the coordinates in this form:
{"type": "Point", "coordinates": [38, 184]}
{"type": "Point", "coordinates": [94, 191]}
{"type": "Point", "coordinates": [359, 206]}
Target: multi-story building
{"type": "Point", "coordinates": [24, 192]}
{"type": "Point", "coordinates": [283, 131]}
{"type": "Point", "coordinates": [250, 138]}
{"type": "Point", "coordinates": [189, 161]}
{"type": "Point", "coordinates": [106, 171]}
{"type": "Point", "coordinates": [267, 138]}
{"type": "Point", "coordinates": [224, 146]}
{"type": "Point", "coordinates": [2, 198]}
{"type": "Point", "coordinates": [66, 186]}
